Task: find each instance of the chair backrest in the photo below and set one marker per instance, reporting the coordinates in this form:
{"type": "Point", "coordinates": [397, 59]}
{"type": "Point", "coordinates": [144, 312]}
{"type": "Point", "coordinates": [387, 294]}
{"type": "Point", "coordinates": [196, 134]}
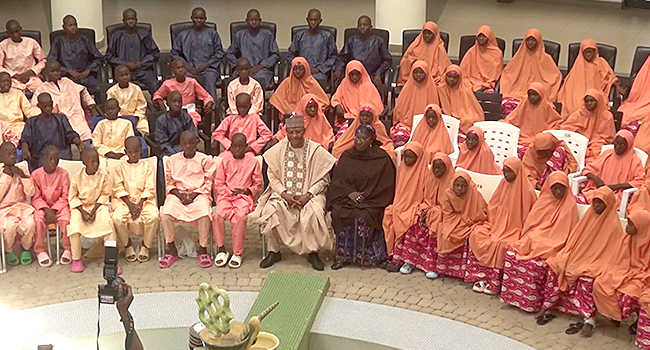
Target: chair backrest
{"type": "Point", "coordinates": [485, 184]}
{"type": "Point", "coordinates": [467, 41]}
{"type": "Point", "coordinates": [87, 32]}
{"type": "Point", "coordinates": [582, 209]}
{"type": "Point", "coordinates": [296, 29]}
{"type": "Point", "coordinates": [639, 153]}
{"type": "Point", "coordinates": [502, 139]}
{"type": "Point", "coordinates": [491, 104]}
{"type": "Point", "coordinates": [640, 55]}
{"type": "Point", "coordinates": [577, 144]}
{"type": "Point", "coordinates": [409, 35]}
{"type": "Point", "coordinates": [239, 25]}
{"type": "Point", "coordinates": [552, 48]}
{"type": "Point", "coordinates": [608, 52]}
{"type": "Point", "coordinates": [176, 28]}
{"type": "Point", "coordinates": [34, 34]}
{"type": "Point", "coordinates": [382, 33]}
{"type": "Point", "coordinates": [110, 30]}
{"type": "Point", "coordinates": [74, 166]}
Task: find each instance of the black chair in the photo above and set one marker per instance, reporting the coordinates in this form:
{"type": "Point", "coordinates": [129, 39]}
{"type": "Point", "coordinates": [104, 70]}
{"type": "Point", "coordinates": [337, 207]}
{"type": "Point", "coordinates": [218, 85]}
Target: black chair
{"type": "Point", "coordinates": [640, 55]}
{"type": "Point", "coordinates": [110, 30]}
{"type": "Point", "coordinates": [491, 104]}
{"type": "Point", "coordinates": [467, 41]}
{"type": "Point", "coordinates": [608, 52]}
{"type": "Point", "coordinates": [34, 34]}
{"type": "Point", "coordinates": [296, 29]}
{"type": "Point", "coordinates": [163, 62]}
{"type": "Point", "coordinates": [409, 35]}
{"type": "Point", "coordinates": [176, 28]}
{"type": "Point", "coordinates": [552, 48]}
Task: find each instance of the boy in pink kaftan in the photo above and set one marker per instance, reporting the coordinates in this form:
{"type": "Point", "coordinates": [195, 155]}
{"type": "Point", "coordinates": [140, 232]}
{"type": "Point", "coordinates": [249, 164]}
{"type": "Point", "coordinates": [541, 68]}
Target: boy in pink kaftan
{"type": "Point", "coordinates": [244, 83]}
{"type": "Point", "coordinates": [51, 184]}
{"type": "Point", "coordinates": [245, 122]}
{"type": "Point", "coordinates": [238, 181]}
{"type": "Point", "coordinates": [188, 180]}
{"type": "Point", "coordinates": [22, 57]}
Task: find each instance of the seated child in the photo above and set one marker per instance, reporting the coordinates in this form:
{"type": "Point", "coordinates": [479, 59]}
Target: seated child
{"type": "Point", "coordinates": [130, 98]}
{"type": "Point", "coordinates": [188, 180]}
{"type": "Point", "coordinates": [237, 181]}
{"type": "Point", "coordinates": [245, 84]}
{"type": "Point", "coordinates": [14, 106]}
{"type": "Point", "coordinates": [22, 57]}
{"type": "Point", "coordinates": [50, 200]}
{"type": "Point", "coordinates": [170, 125]}
{"type": "Point", "coordinates": [475, 154]}
{"type": "Point", "coordinates": [110, 133]}
{"type": "Point", "coordinates": [16, 214]}
{"type": "Point", "coordinates": [134, 207]}
{"type": "Point", "coordinates": [47, 129]}
{"type": "Point", "coordinates": [189, 88]}
{"type": "Point", "coordinates": [90, 189]}
{"type": "Point", "coordinates": [245, 122]}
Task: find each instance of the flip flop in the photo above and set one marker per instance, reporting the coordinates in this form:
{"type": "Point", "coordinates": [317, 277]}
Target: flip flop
{"type": "Point", "coordinates": [406, 269]}
{"type": "Point", "coordinates": [129, 254]}
{"type": "Point", "coordinates": [167, 261]}
{"type": "Point", "coordinates": [574, 328]}
{"type": "Point", "coordinates": [25, 258]}
{"type": "Point", "coordinates": [205, 261]}
{"type": "Point", "coordinates": [235, 262]}
{"type": "Point", "coordinates": [143, 255]}
{"type": "Point", "coordinates": [479, 287]}
{"type": "Point", "coordinates": [12, 259]}
{"type": "Point", "coordinates": [545, 319]}
{"type": "Point", "coordinates": [66, 258]}
{"type": "Point", "coordinates": [44, 259]}
{"type": "Point", "coordinates": [77, 266]}
{"type": "Point", "coordinates": [489, 291]}
{"type": "Point", "coordinates": [222, 259]}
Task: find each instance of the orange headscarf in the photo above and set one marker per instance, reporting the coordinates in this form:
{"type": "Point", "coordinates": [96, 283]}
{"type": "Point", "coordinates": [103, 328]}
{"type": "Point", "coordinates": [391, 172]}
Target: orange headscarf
{"type": "Point", "coordinates": [414, 96]}
{"type": "Point", "coordinates": [346, 141]}
{"type": "Point", "coordinates": [353, 96]}
{"type": "Point", "coordinates": [528, 66]}
{"type": "Point", "coordinates": [637, 104]}
{"type": "Point", "coordinates": [434, 54]}
{"type": "Point", "coordinates": [614, 169]}
{"type": "Point", "coordinates": [641, 198]}
{"type": "Point", "coordinates": [534, 164]}
{"type": "Point", "coordinates": [434, 139]}
{"type": "Point", "coordinates": [459, 215]}
{"type": "Point", "coordinates": [317, 129]}
{"type": "Point", "coordinates": [597, 126]}
{"type": "Point", "coordinates": [583, 76]}
{"type": "Point", "coordinates": [409, 195]}
{"type": "Point", "coordinates": [549, 222]}
{"type": "Point", "coordinates": [629, 264]}
{"type": "Point", "coordinates": [483, 65]}
{"type": "Point", "coordinates": [480, 159]}
{"type": "Point", "coordinates": [508, 208]}
{"type": "Point", "coordinates": [434, 190]}
{"type": "Point", "coordinates": [459, 101]}
{"type": "Point", "coordinates": [591, 245]}
{"type": "Point", "coordinates": [292, 89]}
{"type": "Point", "coordinates": [532, 119]}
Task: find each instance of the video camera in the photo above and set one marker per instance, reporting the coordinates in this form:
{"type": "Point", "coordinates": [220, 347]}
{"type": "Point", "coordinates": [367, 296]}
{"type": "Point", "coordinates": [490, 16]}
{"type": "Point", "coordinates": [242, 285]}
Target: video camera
{"type": "Point", "coordinates": [109, 292]}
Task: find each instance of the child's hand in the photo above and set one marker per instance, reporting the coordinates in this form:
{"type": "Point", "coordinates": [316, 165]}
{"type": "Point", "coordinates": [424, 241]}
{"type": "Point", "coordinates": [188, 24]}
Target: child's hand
{"type": "Point", "coordinates": [134, 209]}
{"type": "Point", "coordinates": [50, 216]}
{"type": "Point", "coordinates": [114, 155]}
{"type": "Point", "coordinates": [25, 151]}
{"type": "Point", "coordinates": [18, 172]}
{"type": "Point", "coordinates": [160, 105]}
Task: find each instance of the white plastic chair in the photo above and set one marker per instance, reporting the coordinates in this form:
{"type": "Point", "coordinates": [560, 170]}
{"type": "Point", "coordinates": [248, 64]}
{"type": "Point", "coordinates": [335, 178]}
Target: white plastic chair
{"type": "Point", "coordinates": [576, 142]}
{"type": "Point", "coordinates": [486, 184]}
{"type": "Point", "coordinates": [452, 124]}
{"type": "Point", "coordinates": [502, 139]}
{"type": "Point", "coordinates": [625, 200]}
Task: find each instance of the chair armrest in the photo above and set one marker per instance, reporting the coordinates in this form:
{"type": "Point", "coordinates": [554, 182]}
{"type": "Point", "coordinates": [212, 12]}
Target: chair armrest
{"type": "Point", "coordinates": [576, 182]}
{"type": "Point", "coordinates": [152, 146]}
{"type": "Point", "coordinates": [454, 157]}
{"type": "Point", "coordinates": [572, 175]}
{"type": "Point", "coordinates": [625, 200]}
{"type": "Point", "coordinates": [399, 151]}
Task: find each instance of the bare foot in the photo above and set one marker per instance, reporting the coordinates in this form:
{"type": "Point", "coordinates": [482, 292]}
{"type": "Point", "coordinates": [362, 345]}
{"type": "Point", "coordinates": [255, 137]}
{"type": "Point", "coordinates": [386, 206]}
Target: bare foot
{"type": "Point", "coordinates": [587, 330]}
{"type": "Point", "coordinates": [540, 314]}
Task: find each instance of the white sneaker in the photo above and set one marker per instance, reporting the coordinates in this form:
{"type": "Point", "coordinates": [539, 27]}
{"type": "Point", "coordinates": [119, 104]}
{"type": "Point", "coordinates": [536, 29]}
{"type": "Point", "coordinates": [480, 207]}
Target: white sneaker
{"type": "Point", "coordinates": [406, 269]}
{"type": "Point", "coordinates": [432, 275]}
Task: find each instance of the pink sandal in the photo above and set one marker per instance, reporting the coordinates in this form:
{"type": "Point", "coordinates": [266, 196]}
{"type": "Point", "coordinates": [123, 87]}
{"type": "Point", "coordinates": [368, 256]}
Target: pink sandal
{"type": "Point", "coordinates": [167, 261]}
{"type": "Point", "coordinates": [44, 259]}
{"type": "Point", "coordinates": [205, 261]}
{"type": "Point", "coordinates": [77, 266]}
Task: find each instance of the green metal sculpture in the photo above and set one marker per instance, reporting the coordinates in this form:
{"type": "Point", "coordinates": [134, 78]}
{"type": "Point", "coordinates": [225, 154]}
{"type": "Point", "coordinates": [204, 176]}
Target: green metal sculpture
{"type": "Point", "coordinates": [214, 314]}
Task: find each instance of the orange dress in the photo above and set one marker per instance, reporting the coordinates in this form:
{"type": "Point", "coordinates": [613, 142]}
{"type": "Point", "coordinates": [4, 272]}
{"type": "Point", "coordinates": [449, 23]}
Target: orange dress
{"type": "Point", "coordinates": [433, 53]}
{"type": "Point", "coordinates": [483, 65]}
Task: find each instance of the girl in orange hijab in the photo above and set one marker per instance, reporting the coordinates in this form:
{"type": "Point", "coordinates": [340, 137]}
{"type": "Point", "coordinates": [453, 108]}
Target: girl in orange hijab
{"type": "Point", "coordinates": [623, 281]}
{"type": "Point", "coordinates": [545, 155]}
{"type": "Point", "coordinates": [463, 207]}
{"type": "Point", "coordinates": [475, 154]}
{"type": "Point", "coordinates": [530, 64]}
{"type": "Point", "coordinates": [399, 217]}
{"type": "Point", "coordinates": [483, 62]}
{"type": "Point", "coordinates": [369, 117]}
{"type": "Point", "coordinates": [618, 168]}
{"type": "Point", "coordinates": [355, 91]}
{"type": "Point", "coordinates": [637, 104]}
{"type": "Point", "coordinates": [532, 116]}
{"type": "Point", "coordinates": [419, 91]}
{"type": "Point", "coordinates": [508, 208]}
{"type": "Point", "coordinates": [299, 83]}
{"type": "Point", "coordinates": [428, 47]}
{"type": "Point", "coordinates": [457, 98]}
{"type": "Point", "coordinates": [432, 133]}
{"type": "Point", "coordinates": [641, 198]}
{"type": "Point", "coordinates": [317, 128]}
{"type": "Point", "coordinates": [419, 245]}
{"type": "Point", "coordinates": [594, 121]}
{"type": "Point", "coordinates": [590, 71]}
{"type": "Point", "coordinates": [587, 253]}
{"type": "Point", "coordinates": [545, 231]}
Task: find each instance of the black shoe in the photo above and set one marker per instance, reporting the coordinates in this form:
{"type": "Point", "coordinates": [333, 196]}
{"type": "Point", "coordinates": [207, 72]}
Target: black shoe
{"type": "Point", "coordinates": [393, 267]}
{"type": "Point", "coordinates": [337, 265]}
{"type": "Point", "coordinates": [270, 259]}
{"type": "Point", "coordinates": [315, 261]}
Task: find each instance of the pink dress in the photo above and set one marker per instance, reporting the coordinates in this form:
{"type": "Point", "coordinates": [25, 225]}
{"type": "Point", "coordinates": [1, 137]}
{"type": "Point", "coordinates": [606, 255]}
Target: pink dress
{"type": "Point", "coordinates": [190, 90]}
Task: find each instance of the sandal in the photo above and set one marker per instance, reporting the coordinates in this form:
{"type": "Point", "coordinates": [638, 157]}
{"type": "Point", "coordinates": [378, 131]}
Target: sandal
{"type": "Point", "coordinates": [77, 266]}
{"type": "Point", "coordinates": [489, 291]}
{"type": "Point", "coordinates": [406, 269]}
{"type": "Point", "coordinates": [479, 287]}
{"type": "Point", "coordinates": [548, 317]}
{"type": "Point", "coordinates": [222, 259]}
{"type": "Point", "coordinates": [44, 259]}
{"type": "Point", "coordinates": [129, 254]}
{"type": "Point", "coordinates": [574, 328]}
{"type": "Point", "coordinates": [205, 261]}
{"type": "Point", "coordinates": [167, 261]}
{"type": "Point", "coordinates": [143, 255]}
{"type": "Point", "coordinates": [235, 262]}
{"type": "Point", "coordinates": [25, 258]}
{"type": "Point", "coordinates": [66, 258]}
{"type": "Point", "coordinates": [12, 259]}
